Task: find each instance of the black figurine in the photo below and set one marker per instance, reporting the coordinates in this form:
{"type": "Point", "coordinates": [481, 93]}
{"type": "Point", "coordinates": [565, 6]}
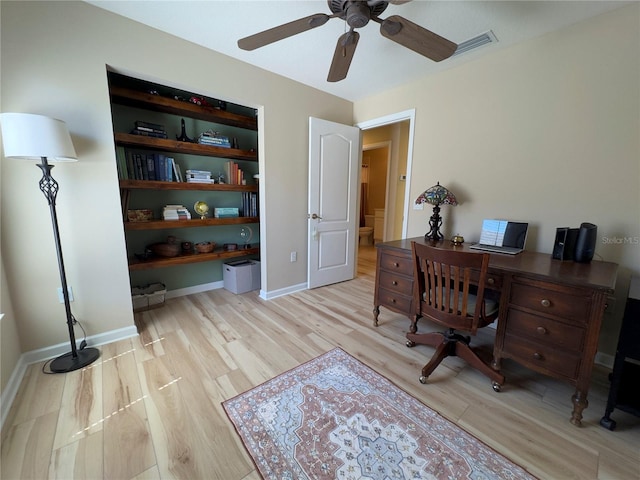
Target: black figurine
{"type": "Point", "coordinates": [183, 135]}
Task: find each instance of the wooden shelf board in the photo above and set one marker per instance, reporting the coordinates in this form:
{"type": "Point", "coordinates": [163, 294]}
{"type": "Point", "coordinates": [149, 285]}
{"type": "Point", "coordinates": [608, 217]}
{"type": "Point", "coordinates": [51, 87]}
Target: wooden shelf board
{"type": "Point", "coordinates": [134, 98]}
{"type": "Point", "coordinates": [158, 262]}
{"type": "Point", "coordinates": [195, 222]}
{"type": "Point", "coordinates": [156, 185]}
{"type": "Point", "coordinates": [176, 146]}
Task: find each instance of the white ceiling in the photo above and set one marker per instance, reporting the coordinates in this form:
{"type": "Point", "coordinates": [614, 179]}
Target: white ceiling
{"type": "Point", "coordinates": [378, 63]}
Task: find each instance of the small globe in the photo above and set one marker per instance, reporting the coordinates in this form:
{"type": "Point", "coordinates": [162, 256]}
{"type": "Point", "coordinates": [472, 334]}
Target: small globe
{"type": "Point", "coordinates": [201, 208]}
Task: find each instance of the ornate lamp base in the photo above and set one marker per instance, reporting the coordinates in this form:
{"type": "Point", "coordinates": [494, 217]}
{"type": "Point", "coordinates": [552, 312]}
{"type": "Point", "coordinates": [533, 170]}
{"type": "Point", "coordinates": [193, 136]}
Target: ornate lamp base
{"type": "Point", "coordinates": [434, 223]}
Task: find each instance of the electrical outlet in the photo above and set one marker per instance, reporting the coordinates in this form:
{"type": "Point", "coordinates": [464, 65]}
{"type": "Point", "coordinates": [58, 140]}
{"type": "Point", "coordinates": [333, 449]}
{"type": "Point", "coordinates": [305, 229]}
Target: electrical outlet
{"type": "Point", "coordinates": [294, 256]}
{"type": "Point", "coordinates": [61, 297]}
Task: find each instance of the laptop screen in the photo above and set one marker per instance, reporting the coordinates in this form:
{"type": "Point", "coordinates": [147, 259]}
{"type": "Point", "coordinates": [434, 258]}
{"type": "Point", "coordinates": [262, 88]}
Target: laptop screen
{"type": "Point", "coordinates": [503, 233]}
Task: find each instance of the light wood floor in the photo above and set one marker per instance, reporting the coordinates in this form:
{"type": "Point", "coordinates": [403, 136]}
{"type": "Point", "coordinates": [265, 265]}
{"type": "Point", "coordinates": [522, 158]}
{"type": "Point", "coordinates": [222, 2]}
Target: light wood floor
{"type": "Point", "coordinates": [151, 406]}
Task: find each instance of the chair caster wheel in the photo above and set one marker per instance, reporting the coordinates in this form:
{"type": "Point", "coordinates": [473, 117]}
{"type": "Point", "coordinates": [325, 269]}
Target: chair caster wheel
{"type": "Point", "coordinates": [423, 379]}
{"type": "Point", "coordinates": [410, 344]}
{"type": "Point", "coordinates": [608, 423]}
{"type": "Point", "coordinates": [496, 387]}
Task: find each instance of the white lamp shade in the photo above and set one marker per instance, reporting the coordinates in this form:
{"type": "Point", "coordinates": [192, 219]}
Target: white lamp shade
{"type": "Point", "coordinates": [30, 136]}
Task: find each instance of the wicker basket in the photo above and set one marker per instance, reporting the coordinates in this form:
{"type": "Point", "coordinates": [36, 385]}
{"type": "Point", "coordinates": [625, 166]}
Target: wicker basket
{"type": "Point", "coordinates": [148, 296]}
{"type": "Point", "coordinates": [204, 247]}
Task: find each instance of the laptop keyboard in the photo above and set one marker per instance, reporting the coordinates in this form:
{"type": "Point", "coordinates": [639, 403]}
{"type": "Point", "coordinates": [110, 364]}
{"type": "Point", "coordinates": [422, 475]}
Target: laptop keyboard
{"type": "Point", "coordinates": [495, 249]}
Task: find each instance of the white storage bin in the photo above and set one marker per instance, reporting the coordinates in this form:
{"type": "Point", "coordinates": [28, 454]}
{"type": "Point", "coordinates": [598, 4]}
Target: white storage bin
{"type": "Point", "coordinates": [241, 276]}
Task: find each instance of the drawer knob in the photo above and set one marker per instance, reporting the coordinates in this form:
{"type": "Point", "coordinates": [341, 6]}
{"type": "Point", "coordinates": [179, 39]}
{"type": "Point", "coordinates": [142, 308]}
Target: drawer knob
{"type": "Point", "coordinates": [537, 356]}
{"type": "Point", "coordinates": [393, 300]}
{"type": "Point", "coordinates": [396, 264]}
{"type": "Point", "coordinates": [394, 283]}
{"type": "Point", "coordinates": [490, 281]}
{"type": "Point", "coordinates": [541, 330]}
{"type": "Point", "coordinates": [545, 303]}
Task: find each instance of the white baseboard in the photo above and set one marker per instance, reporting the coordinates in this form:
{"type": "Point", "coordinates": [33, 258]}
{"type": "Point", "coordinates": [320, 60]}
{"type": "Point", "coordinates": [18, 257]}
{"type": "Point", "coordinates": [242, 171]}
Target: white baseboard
{"type": "Point", "coordinates": [283, 291]}
{"type": "Point", "coordinates": [604, 359]}
{"type": "Point", "coordinates": [205, 287]}
{"type": "Point", "coordinates": [41, 354]}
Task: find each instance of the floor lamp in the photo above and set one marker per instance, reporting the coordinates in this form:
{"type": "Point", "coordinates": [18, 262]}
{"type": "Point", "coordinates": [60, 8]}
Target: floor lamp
{"type": "Point", "coordinates": [36, 137]}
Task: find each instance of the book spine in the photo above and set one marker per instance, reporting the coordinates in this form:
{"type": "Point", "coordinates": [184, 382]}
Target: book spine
{"type": "Point", "coordinates": [174, 164]}
{"type": "Point", "coordinates": [169, 172]}
{"type": "Point", "coordinates": [131, 168]}
{"type": "Point", "coordinates": [254, 204]}
{"type": "Point", "coordinates": [162, 167]}
{"type": "Point", "coordinates": [151, 167]}
{"type": "Point", "coordinates": [121, 159]}
{"type": "Point", "coordinates": [139, 172]}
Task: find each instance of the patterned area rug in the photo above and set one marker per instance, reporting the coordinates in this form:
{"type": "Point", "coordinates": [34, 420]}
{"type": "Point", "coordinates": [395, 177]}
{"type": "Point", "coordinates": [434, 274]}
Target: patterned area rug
{"type": "Point", "coordinates": [334, 417]}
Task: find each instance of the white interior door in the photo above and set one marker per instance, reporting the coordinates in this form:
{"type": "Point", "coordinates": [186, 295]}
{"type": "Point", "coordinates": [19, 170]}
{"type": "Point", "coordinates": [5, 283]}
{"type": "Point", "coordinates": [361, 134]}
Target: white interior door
{"type": "Point", "coordinates": [334, 162]}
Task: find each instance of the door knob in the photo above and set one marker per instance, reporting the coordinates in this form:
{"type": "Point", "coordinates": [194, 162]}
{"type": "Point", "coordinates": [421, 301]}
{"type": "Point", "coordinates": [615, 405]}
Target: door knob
{"type": "Point", "coordinates": [315, 216]}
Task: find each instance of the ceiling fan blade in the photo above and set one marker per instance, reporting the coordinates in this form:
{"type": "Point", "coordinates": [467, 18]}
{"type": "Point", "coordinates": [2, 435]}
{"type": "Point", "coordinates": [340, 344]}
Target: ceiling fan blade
{"type": "Point", "coordinates": [398, 2]}
{"type": "Point", "coordinates": [345, 48]}
{"type": "Point", "coordinates": [283, 31]}
{"type": "Point", "coordinates": [417, 38]}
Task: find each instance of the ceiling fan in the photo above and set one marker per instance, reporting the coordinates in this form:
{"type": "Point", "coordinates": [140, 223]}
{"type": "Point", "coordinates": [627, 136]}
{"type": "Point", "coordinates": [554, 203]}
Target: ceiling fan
{"type": "Point", "coordinates": [357, 14]}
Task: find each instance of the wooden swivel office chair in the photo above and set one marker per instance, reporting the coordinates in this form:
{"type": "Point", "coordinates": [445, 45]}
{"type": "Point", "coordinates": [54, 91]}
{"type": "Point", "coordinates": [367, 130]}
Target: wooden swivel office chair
{"type": "Point", "coordinates": [443, 285]}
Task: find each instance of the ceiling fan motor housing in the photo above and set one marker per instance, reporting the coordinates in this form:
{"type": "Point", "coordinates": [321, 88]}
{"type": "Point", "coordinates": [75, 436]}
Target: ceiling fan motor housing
{"type": "Point", "coordinates": [356, 13]}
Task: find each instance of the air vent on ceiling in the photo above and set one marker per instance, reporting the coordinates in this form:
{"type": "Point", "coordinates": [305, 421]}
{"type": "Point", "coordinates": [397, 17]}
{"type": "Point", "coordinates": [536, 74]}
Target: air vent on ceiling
{"type": "Point", "coordinates": [476, 42]}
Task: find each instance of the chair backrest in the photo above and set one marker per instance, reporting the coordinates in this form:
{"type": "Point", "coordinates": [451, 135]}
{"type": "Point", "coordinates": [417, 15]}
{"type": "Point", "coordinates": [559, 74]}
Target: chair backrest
{"type": "Point", "coordinates": [443, 279]}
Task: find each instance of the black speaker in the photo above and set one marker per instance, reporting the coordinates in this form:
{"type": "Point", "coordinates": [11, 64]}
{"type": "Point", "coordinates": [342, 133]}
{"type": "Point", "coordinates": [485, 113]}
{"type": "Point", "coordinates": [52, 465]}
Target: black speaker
{"type": "Point", "coordinates": [585, 243]}
{"type": "Point", "coordinates": [565, 243]}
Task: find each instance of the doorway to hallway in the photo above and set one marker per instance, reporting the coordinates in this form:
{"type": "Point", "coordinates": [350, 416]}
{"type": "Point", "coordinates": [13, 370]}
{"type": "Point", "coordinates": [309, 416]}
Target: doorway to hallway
{"type": "Point", "coordinates": [385, 175]}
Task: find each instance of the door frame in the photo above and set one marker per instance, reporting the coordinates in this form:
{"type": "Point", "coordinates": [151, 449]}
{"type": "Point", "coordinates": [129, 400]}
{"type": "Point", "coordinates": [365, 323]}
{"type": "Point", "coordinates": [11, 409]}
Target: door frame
{"type": "Point", "coordinates": [395, 118]}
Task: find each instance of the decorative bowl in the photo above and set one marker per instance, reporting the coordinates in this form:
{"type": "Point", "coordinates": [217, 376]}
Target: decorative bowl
{"type": "Point", "coordinates": [204, 247]}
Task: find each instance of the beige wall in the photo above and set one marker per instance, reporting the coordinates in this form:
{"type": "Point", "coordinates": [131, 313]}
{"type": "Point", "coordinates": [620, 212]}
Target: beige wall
{"type": "Point", "coordinates": [9, 340]}
{"type": "Point", "coordinates": [54, 60]}
{"type": "Point", "coordinates": [546, 131]}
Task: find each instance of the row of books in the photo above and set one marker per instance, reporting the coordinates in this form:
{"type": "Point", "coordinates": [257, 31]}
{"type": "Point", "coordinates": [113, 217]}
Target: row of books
{"type": "Point", "coordinates": [149, 129]}
{"type": "Point", "coordinates": [147, 166]}
{"type": "Point", "coordinates": [175, 212]}
{"type": "Point", "coordinates": [249, 204]}
{"type": "Point", "coordinates": [234, 174]}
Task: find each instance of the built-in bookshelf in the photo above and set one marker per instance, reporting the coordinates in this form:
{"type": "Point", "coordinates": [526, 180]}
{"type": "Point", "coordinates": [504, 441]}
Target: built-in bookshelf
{"type": "Point", "coordinates": [177, 147]}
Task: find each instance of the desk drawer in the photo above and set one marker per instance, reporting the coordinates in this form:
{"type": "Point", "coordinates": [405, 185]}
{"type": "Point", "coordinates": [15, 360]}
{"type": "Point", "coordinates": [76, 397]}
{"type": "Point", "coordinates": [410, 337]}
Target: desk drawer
{"type": "Point", "coordinates": [399, 264]}
{"type": "Point", "coordinates": [393, 299]}
{"type": "Point", "coordinates": [395, 282]}
{"type": "Point", "coordinates": [541, 358]}
{"type": "Point", "coordinates": [571, 304]}
{"type": "Point", "coordinates": [545, 331]}
{"type": "Point", "coordinates": [493, 281]}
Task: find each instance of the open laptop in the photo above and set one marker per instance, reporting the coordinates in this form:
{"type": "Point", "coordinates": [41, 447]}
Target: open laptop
{"type": "Point", "coordinates": [502, 236]}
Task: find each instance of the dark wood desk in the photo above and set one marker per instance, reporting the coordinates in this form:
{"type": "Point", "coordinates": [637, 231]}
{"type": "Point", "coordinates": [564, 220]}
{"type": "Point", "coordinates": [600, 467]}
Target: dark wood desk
{"type": "Point", "coordinates": [550, 311]}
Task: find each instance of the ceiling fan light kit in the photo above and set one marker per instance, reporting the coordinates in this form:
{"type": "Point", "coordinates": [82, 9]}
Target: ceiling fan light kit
{"type": "Point", "coordinates": [357, 14]}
